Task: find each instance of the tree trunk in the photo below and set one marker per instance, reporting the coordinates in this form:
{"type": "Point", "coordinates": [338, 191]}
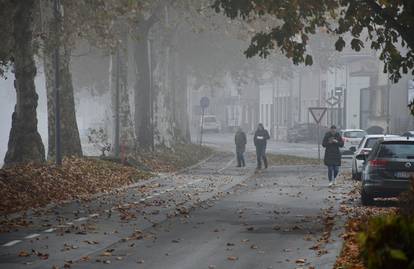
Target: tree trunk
{"type": "Point", "coordinates": [143, 99]}
{"type": "Point", "coordinates": [71, 144]}
{"type": "Point", "coordinates": [180, 101]}
{"type": "Point", "coordinates": [25, 143]}
{"type": "Point", "coordinates": [126, 126]}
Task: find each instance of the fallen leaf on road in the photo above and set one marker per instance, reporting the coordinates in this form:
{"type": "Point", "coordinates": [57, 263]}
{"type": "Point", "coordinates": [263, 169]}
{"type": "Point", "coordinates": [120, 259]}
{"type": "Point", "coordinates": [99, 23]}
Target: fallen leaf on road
{"type": "Point", "coordinates": [232, 258]}
{"type": "Point", "coordinates": [106, 254]}
{"type": "Point", "coordinates": [24, 253]}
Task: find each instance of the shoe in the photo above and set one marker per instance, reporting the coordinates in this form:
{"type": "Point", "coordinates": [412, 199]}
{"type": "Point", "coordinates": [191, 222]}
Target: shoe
{"type": "Point", "coordinates": [238, 166]}
{"type": "Point", "coordinates": [330, 184]}
{"type": "Point", "coordinates": [334, 181]}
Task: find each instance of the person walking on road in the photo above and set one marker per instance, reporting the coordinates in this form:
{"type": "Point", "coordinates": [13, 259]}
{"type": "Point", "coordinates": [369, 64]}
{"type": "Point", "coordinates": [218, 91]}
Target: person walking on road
{"type": "Point", "coordinates": [260, 141]}
{"type": "Point", "coordinates": [240, 141]}
{"type": "Point", "coordinates": [332, 141]}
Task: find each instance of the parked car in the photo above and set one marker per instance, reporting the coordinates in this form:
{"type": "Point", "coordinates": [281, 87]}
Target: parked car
{"type": "Point", "coordinates": [388, 168]}
{"type": "Point", "coordinates": [304, 132]}
{"type": "Point", "coordinates": [211, 124]}
{"type": "Point", "coordinates": [408, 134]}
{"type": "Point", "coordinates": [364, 148]}
{"type": "Point", "coordinates": [352, 138]}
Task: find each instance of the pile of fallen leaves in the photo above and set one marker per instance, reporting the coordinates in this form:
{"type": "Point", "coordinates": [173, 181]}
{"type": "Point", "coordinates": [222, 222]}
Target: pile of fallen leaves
{"type": "Point", "coordinates": [33, 185]}
{"type": "Point", "coordinates": [358, 217]}
{"type": "Point", "coordinates": [281, 159]}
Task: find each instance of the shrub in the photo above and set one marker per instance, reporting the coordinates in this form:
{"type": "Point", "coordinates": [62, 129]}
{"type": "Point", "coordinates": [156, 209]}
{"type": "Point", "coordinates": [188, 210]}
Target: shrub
{"type": "Point", "coordinates": [388, 242]}
{"type": "Point", "coordinates": [406, 202]}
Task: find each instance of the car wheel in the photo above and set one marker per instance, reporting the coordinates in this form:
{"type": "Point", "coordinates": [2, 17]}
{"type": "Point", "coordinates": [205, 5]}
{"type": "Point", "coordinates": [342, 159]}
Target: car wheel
{"type": "Point", "coordinates": [366, 199]}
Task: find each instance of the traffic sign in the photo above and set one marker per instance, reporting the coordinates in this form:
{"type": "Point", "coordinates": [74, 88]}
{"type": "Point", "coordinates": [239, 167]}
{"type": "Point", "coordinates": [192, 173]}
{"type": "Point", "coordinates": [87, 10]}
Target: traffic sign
{"type": "Point", "coordinates": [204, 102]}
{"type": "Point", "coordinates": [318, 113]}
{"type": "Point", "coordinates": [339, 91]}
{"type": "Point", "coordinates": [332, 101]}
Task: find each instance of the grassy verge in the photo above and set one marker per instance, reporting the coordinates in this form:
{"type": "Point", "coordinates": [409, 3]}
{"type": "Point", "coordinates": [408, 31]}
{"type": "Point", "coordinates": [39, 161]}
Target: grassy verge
{"type": "Point", "coordinates": [280, 159]}
{"type": "Point", "coordinates": [170, 160]}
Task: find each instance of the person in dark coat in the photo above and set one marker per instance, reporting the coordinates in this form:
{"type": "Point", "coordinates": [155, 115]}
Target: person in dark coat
{"type": "Point", "coordinates": [240, 140]}
{"type": "Point", "coordinates": [332, 141]}
{"type": "Point", "coordinates": [260, 141]}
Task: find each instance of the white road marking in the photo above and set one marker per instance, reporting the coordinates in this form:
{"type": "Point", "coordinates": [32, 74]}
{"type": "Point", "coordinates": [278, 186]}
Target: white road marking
{"type": "Point", "coordinates": [12, 243]}
{"type": "Point", "coordinates": [49, 230]}
{"type": "Point", "coordinates": [148, 197]}
{"type": "Point", "coordinates": [32, 236]}
{"type": "Point", "coordinates": [194, 182]}
{"type": "Point", "coordinates": [93, 215]}
{"type": "Point", "coordinates": [156, 194]}
{"type": "Point", "coordinates": [81, 219]}
{"type": "Point", "coordinates": [171, 189]}
{"type": "Point", "coordinates": [226, 166]}
{"type": "Point", "coordinates": [162, 192]}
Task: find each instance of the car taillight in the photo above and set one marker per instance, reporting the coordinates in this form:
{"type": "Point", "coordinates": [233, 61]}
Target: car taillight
{"type": "Point", "coordinates": [378, 163]}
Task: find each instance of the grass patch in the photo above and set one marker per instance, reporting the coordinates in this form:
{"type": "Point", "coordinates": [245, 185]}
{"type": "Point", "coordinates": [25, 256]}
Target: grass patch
{"type": "Point", "coordinates": [281, 159]}
{"type": "Point", "coordinates": [173, 159]}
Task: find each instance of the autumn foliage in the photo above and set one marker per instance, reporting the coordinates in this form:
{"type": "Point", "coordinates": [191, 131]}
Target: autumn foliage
{"type": "Point", "coordinates": [33, 185]}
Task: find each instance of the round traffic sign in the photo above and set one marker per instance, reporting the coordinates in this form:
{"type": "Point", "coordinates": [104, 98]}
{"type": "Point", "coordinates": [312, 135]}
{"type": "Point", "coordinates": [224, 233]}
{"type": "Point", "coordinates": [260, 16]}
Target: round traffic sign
{"type": "Point", "coordinates": [204, 102]}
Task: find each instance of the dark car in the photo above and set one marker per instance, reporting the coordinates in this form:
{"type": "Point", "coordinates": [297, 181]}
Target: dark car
{"type": "Point", "coordinates": [304, 132]}
{"type": "Point", "coordinates": [388, 169]}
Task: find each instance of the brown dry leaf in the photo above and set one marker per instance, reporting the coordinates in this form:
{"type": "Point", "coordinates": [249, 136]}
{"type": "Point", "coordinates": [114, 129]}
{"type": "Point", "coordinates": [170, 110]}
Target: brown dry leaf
{"type": "Point", "coordinates": [24, 253]}
{"type": "Point", "coordinates": [232, 258]}
{"type": "Point", "coordinates": [106, 254]}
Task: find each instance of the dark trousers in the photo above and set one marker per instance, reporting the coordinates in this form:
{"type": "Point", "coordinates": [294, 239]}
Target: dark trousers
{"type": "Point", "coordinates": [261, 154]}
{"type": "Point", "coordinates": [333, 171]}
{"type": "Point", "coordinates": [240, 158]}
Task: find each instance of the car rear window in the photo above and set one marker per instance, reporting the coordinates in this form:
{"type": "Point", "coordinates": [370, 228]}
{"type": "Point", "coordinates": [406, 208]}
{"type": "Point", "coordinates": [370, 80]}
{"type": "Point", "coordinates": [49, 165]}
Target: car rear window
{"type": "Point", "coordinates": [371, 142]}
{"type": "Point", "coordinates": [354, 134]}
{"type": "Point", "coordinates": [396, 150]}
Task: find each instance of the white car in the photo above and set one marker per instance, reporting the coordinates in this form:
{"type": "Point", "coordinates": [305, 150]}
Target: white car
{"type": "Point", "coordinates": [352, 138]}
{"type": "Point", "coordinates": [364, 148]}
{"type": "Point", "coordinates": [211, 124]}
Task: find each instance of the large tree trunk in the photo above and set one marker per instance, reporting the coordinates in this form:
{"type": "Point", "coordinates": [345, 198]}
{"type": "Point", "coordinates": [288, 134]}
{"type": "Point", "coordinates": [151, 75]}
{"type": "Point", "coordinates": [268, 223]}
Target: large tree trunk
{"type": "Point", "coordinates": [71, 144]}
{"type": "Point", "coordinates": [126, 126]}
{"type": "Point", "coordinates": [25, 143]}
{"type": "Point", "coordinates": [164, 124]}
{"type": "Point", "coordinates": [143, 99]}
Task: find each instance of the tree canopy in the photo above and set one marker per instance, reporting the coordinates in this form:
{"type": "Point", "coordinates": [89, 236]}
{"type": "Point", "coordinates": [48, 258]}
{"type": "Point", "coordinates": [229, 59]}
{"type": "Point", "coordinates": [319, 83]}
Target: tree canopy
{"type": "Point", "coordinates": [386, 25]}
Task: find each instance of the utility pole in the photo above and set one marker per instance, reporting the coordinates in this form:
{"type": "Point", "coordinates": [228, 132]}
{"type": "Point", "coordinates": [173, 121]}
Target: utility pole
{"type": "Point", "coordinates": [58, 151]}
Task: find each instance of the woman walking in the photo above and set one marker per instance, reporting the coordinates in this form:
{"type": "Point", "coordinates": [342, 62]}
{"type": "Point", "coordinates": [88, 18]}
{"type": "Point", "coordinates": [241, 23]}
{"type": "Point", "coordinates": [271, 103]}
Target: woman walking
{"type": "Point", "coordinates": [332, 141]}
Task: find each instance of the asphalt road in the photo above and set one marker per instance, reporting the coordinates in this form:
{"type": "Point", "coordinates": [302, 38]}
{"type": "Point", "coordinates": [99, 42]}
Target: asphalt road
{"type": "Point", "coordinates": [212, 216]}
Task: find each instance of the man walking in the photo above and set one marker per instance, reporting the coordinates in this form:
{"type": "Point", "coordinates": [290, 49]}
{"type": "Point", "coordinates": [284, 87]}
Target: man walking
{"type": "Point", "coordinates": [260, 141]}
{"type": "Point", "coordinates": [332, 141]}
{"type": "Point", "coordinates": [240, 140]}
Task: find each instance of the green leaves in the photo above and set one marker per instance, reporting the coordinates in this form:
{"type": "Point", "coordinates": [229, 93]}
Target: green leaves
{"type": "Point", "coordinates": [308, 60]}
{"type": "Point", "coordinates": [386, 23]}
{"type": "Point", "coordinates": [340, 44]}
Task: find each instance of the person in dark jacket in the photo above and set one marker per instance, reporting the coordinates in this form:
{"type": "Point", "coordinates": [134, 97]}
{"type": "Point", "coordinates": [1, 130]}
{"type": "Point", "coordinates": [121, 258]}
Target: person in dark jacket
{"type": "Point", "coordinates": [260, 141]}
{"type": "Point", "coordinates": [240, 140]}
{"type": "Point", "coordinates": [332, 141]}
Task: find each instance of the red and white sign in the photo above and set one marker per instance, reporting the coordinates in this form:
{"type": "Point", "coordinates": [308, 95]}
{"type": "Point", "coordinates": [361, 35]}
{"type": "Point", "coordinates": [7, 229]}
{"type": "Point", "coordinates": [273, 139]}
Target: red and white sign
{"type": "Point", "coordinates": [318, 113]}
